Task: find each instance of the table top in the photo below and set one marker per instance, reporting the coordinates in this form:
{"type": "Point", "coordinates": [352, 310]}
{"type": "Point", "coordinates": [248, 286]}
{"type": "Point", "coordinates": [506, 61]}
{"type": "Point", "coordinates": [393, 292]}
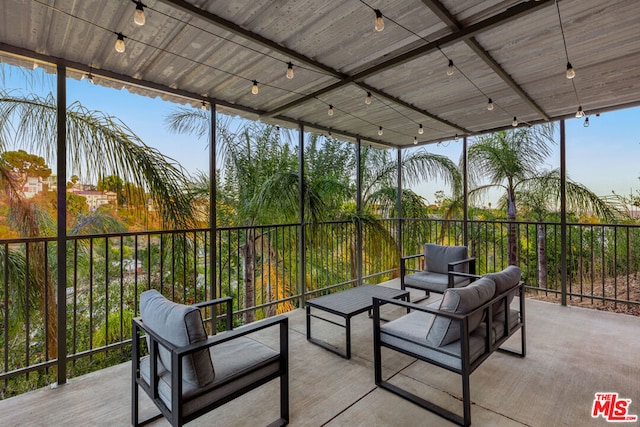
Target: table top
{"type": "Point", "coordinates": [355, 300]}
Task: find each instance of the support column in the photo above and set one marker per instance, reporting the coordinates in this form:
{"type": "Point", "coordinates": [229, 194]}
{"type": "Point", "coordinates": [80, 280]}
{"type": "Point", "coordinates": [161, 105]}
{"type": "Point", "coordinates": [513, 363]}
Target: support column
{"type": "Point", "coordinates": [302, 235]}
{"type": "Point", "coordinates": [61, 235]}
{"type": "Point", "coordinates": [359, 233]}
{"type": "Point", "coordinates": [563, 213]}
{"type": "Point", "coordinates": [213, 225]}
{"type": "Point", "coordinates": [399, 205]}
{"type": "Point", "coordinates": [465, 195]}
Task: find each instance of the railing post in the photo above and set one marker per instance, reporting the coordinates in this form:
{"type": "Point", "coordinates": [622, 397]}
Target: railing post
{"type": "Point", "coordinates": [399, 206]}
{"type": "Point", "coordinates": [302, 252]}
{"type": "Point", "coordinates": [61, 235]}
{"type": "Point", "coordinates": [213, 224]}
{"type": "Point", "coordinates": [465, 196]}
{"type": "Point", "coordinates": [563, 213]}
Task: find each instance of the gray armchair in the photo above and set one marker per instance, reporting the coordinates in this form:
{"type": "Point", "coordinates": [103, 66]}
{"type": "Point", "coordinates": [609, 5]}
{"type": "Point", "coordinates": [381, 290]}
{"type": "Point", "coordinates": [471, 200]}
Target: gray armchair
{"type": "Point", "coordinates": [187, 373]}
{"type": "Point", "coordinates": [439, 260]}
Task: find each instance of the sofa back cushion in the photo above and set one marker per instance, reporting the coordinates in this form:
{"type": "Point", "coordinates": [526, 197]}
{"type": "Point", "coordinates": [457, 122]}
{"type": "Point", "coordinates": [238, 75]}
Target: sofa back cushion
{"type": "Point", "coordinates": [181, 325]}
{"type": "Point", "coordinates": [442, 330]}
{"type": "Point", "coordinates": [437, 258]}
{"type": "Point", "coordinates": [505, 280]}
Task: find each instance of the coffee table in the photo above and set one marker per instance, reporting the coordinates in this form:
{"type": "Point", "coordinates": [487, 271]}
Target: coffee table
{"type": "Point", "coordinates": [347, 304]}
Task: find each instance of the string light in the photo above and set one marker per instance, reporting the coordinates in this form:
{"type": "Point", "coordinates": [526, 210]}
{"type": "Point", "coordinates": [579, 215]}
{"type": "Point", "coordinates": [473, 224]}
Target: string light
{"type": "Point", "coordinates": [580, 113]}
{"type": "Point", "coordinates": [203, 107]}
{"type": "Point", "coordinates": [289, 70]}
{"type": "Point", "coordinates": [90, 78]}
{"type": "Point", "coordinates": [571, 73]}
{"type": "Point", "coordinates": [379, 25]}
{"type": "Point", "coordinates": [330, 111]}
{"type": "Point", "coordinates": [420, 129]}
{"type": "Point", "coordinates": [514, 123]}
{"type": "Point", "coordinates": [138, 15]}
{"type": "Point", "coordinates": [490, 105]}
{"type": "Point", "coordinates": [380, 132]}
{"type": "Point", "coordinates": [586, 122]}
{"type": "Point", "coordinates": [450, 68]}
{"type": "Point", "coordinates": [254, 88]}
{"type": "Point", "coordinates": [415, 140]}
{"type": "Point", "coordinates": [367, 99]}
{"type": "Point", "coordinates": [120, 47]}
{"type": "Point", "coordinates": [456, 137]}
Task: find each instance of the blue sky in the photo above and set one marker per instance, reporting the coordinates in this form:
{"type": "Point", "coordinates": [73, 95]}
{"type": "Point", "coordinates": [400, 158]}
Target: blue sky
{"type": "Point", "coordinates": [604, 156]}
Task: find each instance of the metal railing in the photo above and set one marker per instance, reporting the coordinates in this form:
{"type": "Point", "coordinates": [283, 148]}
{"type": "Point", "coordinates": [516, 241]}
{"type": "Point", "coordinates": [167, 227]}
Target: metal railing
{"type": "Point", "coordinates": [260, 268]}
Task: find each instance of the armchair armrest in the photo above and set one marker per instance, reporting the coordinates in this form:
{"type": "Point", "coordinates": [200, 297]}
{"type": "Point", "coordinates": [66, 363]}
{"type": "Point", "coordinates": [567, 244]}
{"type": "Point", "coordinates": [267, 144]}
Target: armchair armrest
{"type": "Point", "coordinates": [403, 264]}
{"type": "Point", "coordinates": [471, 262]}
{"type": "Point", "coordinates": [229, 312]}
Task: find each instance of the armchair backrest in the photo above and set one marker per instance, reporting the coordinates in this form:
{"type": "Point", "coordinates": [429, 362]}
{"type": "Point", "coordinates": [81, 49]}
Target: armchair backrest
{"type": "Point", "coordinates": [437, 258]}
{"type": "Point", "coordinates": [180, 325]}
{"type": "Point", "coordinates": [505, 280]}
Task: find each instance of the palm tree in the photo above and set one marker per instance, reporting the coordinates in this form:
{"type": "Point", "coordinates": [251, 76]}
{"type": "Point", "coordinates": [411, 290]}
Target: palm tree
{"type": "Point", "coordinates": [512, 160]}
{"type": "Point", "coordinates": [98, 145]}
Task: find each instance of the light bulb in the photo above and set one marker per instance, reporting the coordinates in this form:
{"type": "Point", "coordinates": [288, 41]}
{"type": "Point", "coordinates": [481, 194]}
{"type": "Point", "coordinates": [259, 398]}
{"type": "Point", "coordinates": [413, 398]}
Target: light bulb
{"type": "Point", "coordinates": [379, 25]}
{"type": "Point", "coordinates": [120, 48]}
{"type": "Point", "coordinates": [203, 107]}
{"type": "Point", "coordinates": [415, 140]}
{"type": "Point", "coordinates": [514, 123]}
{"type": "Point", "coordinates": [289, 70]}
{"type": "Point", "coordinates": [330, 111]}
{"type": "Point", "coordinates": [450, 68]}
{"type": "Point", "coordinates": [579, 113]}
{"type": "Point", "coordinates": [367, 99]}
{"type": "Point", "coordinates": [456, 137]}
{"type": "Point", "coordinates": [586, 122]}
{"type": "Point", "coordinates": [420, 129]}
{"type": "Point", "coordinates": [90, 78]}
{"type": "Point", "coordinates": [490, 105]}
{"type": "Point", "coordinates": [571, 73]}
{"type": "Point", "coordinates": [380, 132]}
{"type": "Point", "coordinates": [254, 88]}
{"type": "Point", "coordinates": [138, 15]}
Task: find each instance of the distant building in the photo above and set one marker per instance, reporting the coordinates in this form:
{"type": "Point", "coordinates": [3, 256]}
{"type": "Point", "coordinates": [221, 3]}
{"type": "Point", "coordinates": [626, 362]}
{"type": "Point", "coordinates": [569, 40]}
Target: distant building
{"type": "Point", "coordinates": [94, 198]}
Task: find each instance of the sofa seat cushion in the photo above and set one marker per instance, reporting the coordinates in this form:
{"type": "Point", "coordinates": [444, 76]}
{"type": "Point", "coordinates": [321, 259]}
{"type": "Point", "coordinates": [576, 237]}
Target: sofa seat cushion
{"type": "Point", "coordinates": [408, 333]}
{"type": "Point", "coordinates": [180, 325]}
{"type": "Point", "coordinates": [234, 362]}
{"type": "Point", "coordinates": [505, 280]}
{"type": "Point", "coordinates": [438, 257]}
{"type": "Point", "coordinates": [434, 282]}
{"type": "Point", "coordinates": [443, 330]}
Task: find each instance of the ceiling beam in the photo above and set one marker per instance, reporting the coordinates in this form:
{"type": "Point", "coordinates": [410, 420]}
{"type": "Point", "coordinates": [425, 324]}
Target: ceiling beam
{"type": "Point", "coordinates": [445, 16]}
{"type": "Point", "coordinates": [514, 12]}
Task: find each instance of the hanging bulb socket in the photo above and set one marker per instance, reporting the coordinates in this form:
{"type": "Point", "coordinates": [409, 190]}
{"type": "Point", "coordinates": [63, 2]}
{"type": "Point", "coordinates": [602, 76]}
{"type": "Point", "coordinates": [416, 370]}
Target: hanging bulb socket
{"type": "Point", "coordinates": [203, 107]}
{"type": "Point", "coordinates": [571, 73]}
{"type": "Point", "coordinates": [379, 25]}
{"type": "Point", "coordinates": [90, 78]}
{"type": "Point", "coordinates": [254, 88]}
{"type": "Point", "coordinates": [514, 123]}
{"type": "Point", "coordinates": [330, 110]}
{"type": "Point", "coordinates": [367, 99]}
{"type": "Point", "coordinates": [586, 122]}
{"type": "Point", "coordinates": [120, 47]}
{"type": "Point", "coordinates": [138, 15]}
{"type": "Point", "coordinates": [289, 70]}
{"type": "Point", "coordinates": [420, 129]}
{"type": "Point", "coordinates": [415, 140]}
{"type": "Point", "coordinates": [450, 68]}
{"type": "Point", "coordinates": [380, 132]}
{"type": "Point", "coordinates": [490, 105]}
{"type": "Point", "coordinates": [580, 112]}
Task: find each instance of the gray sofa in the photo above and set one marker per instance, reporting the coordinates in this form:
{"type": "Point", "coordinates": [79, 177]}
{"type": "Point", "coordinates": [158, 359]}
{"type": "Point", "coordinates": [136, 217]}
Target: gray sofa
{"type": "Point", "coordinates": [456, 333]}
{"type": "Point", "coordinates": [434, 276]}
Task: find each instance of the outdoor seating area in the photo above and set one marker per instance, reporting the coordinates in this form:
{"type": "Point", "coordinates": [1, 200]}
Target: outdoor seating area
{"type": "Point", "coordinates": [572, 354]}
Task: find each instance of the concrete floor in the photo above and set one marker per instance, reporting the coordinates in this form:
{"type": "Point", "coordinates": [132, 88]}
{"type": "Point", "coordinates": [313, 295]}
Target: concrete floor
{"type": "Point", "coordinates": [572, 354]}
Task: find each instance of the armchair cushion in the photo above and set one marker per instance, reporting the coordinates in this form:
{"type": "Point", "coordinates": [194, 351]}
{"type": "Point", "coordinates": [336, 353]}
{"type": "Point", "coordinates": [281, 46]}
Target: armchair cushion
{"type": "Point", "coordinates": [180, 325]}
{"type": "Point", "coordinates": [437, 258]}
{"type": "Point", "coordinates": [505, 280]}
{"type": "Point", "coordinates": [443, 330]}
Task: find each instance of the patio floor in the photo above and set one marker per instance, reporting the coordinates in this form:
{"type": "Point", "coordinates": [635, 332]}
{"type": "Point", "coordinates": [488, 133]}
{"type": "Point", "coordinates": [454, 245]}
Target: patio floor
{"type": "Point", "coordinates": [572, 354]}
